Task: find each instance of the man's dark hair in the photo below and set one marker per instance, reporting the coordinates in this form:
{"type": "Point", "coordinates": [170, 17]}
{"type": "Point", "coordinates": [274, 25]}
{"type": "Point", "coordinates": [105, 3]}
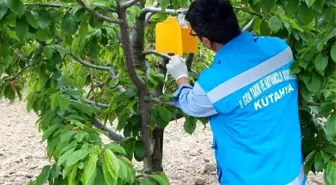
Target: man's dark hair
{"type": "Point", "coordinates": [213, 19]}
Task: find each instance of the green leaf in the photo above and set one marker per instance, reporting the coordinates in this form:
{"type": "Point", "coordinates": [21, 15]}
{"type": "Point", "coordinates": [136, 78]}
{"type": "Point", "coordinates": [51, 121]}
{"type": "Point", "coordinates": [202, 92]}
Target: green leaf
{"type": "Point", "coordinates": [53, 101]}
{"type": "Point", "coordinates": [99, 178]}
{"type": "Point", "coordinates": [71, 146]}
{"type": "Point", "coordinates": [305, 15]}
{"type": "Point", "coordinates": [190, 124]}
{"type": "Point", "coordinates": [122, 120]}
{"type": "Point", "coordinates": [48, 52]}
{"type": "Point", "coordinates": [321, 62]}
{"type": "Point", "coordinates": [76, 156]}
{"type": "Point", "coordinates": [333, 52]}
{"type": "Point", "coordinates": [275, 24]}
{"type": "Point", "coordinates": [82, 107]}
{"type": "Point", "coordinates": [331, 124]}
{"type": "Point", "coordinates": [291, 7]}
{"type": "Point", "coordinates": [63, 102]}
{"type": "Point", "coordinates": [164, 114]}
{"type": "Point", "coordinates": [43, 177]}
{"type": "Point", "coordinates": [139, 152]}
{"type": "Point", "coordinates": [164, 4]}
{"type": "Point", "coordinates": [3, 9]}
{"type": "Point", "coordinates": [32, 19]}
{"type": "Point", "coordinates": [122, 170]}
{"type": "Point", "coordinates": [69, 24]}
{"type": "Point", "coordinates": [16, 6]}
{"type": "Point", "coordinates": [130, 170]}
{"type": "Point", "coordinates": [22, 29]}
{"type": "Point", "coordinates": [329, 175]}
{"type": "Point", "coordinates": [65, 157]}
{"type": "Point", "coordinates": [73, 174]}
{"type": "Point", "coordinates": [310, 2]}
{"type": "Point", "coordinates": [309, 161]}
{"type": "Point", "coordinates": [160, 178]}
{"type": "Point", "coordinates": [83, 29]}
{"type": "Point", "coordinates": [145, 182]}
{"type": "Point", "coordinates": [315, 84]}
{"type": "Point", "coordinates": [267, 5]}
{"type": "Point", "coordinates": [47, 133]}
{"type": "Point", "coordinates": [264, 29]}
{"type": "Point", "coordinates": [54, 172]}
{"type": "Point", "coordinates": [107, 176]}
{"type": "Point", "coordinates": [129, 146]}
{"type": "Point", "coordinates": [318, 162]}
{"type": "Point", "coordinates": [112, 164]}
{"type": "Point", "coordinates": [90, 171]}
{"type": "Point", "coordinates": [116, 148]}
{"type": "Point", "coordinates": [318, 5]}
{"type": "Point", "coordinates": [66, 136]}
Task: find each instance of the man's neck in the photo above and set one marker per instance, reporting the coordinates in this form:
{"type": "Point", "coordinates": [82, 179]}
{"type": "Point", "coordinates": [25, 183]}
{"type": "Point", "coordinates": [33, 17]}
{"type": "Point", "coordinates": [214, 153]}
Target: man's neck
{"type": "Point", "coordinates": [216, 46]}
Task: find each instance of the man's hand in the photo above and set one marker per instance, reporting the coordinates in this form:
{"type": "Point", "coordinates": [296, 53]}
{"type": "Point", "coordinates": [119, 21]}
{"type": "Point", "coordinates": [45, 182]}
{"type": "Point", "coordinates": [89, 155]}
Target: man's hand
{"type": "Point", "coordinates": [177, 68]}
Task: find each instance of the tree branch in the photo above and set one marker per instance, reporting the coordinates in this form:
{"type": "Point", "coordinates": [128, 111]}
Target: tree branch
{"type": "Point", "coordinates": [189, 60]}
{"type": "Point", "coordinates": [173, 12]}
{"type": "Point", "coordinates": [157, 100]}
{"type": "Point", "coordinates": [138, 82]}
{"type": "Point", "coordinates": [112, 135]}
{"type": "Point", "coordinates": [53, 5]}
{"type": "Point", "coordinates": [130, 3]}
{"type": "Point", "coordinates": [137, 43]}
{"type": "Point", "coordinates": [87, 64]}
{"type": "Point", "coordinates": [148, 52]}
{"type": "Point", "coordinates": [32, 57]}
{"type": "Point", "coordinates": [102, 105]}
{"type": "Point", "coordinates": [98, 15]}
{"type": "Point", "coordinates": [247, 11]}
{"type": "Point", "coordinates": [46, 5]}
{"type": "Point", "coordinates": [152, 9]}
{"type": "Point", "coordinates": [150, 14]}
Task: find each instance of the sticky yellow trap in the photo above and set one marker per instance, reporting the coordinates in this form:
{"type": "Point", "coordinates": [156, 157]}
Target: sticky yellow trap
{"type": "Point", "coordinates": [171, 37]}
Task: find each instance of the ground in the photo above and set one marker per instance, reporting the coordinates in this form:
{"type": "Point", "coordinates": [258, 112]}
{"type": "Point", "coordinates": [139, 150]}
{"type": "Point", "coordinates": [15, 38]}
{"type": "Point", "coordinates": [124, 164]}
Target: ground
{"type": "Point", "coordinates": [188, 159]}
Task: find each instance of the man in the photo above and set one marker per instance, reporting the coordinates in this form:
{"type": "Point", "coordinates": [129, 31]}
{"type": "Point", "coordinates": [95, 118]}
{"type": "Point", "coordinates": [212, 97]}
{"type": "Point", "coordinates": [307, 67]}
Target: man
{"type": "Point", "coordinates": [250, 97]}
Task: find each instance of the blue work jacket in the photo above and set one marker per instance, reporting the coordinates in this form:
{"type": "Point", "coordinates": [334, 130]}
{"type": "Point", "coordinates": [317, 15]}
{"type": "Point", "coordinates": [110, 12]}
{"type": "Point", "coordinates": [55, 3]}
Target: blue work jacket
{"type": "Point", "coordinates": [251, 99]}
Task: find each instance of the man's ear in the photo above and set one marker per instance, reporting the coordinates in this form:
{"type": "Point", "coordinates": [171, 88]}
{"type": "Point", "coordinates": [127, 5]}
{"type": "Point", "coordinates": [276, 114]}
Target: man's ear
{"type": "Point", "coordinates": [206, 42]}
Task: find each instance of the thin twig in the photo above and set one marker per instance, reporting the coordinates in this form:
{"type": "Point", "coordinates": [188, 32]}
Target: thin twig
{"type": "Point", "coordinates": [152, 9]}
{"type": "Point", "coordinates": [184, 11]}
{"type": "Point", "coordinates": [150, 14]}
{"type": "Point", "coordinates": [98, 15]}
{"type": "Point", "coordinates": [102, 105]}
{"type": "Point", "coordinates": [73, 56]}
{"type": "Point", "coordinates": [31, 57]}
{"type": "Point", "coordinates": [112, 135]}
{"type": "Point", "coordinates": [53, 5]}
{"type": "Point", "coordinates": [157, 100]}
{"type": "Point", "coordinates": [148, 52]}
{"type": "Point", "coordinates": [46, 5]}
{"type": "Point", "coordinates": [130, 3]}
{"type": "Point", "coordinates": [247, 11]}
{"type": "Point", "coordinates": [189, 60]}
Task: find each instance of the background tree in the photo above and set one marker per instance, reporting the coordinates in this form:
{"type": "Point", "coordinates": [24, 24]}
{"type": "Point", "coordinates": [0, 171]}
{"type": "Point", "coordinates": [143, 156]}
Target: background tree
{"type": "Point", "coordinates": [84, 64]}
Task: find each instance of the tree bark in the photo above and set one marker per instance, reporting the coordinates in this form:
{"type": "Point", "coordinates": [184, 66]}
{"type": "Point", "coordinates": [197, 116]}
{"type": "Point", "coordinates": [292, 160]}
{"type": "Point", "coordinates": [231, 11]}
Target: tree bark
{"type": "Point", "coordinates": [138, 82]}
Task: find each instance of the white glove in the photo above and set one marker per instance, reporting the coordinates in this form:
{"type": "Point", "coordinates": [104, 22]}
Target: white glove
{"type": "Point", "coordinates": [177, 68]}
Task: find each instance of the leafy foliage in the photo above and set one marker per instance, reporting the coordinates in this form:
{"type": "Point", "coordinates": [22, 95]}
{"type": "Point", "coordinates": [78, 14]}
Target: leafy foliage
{"type": "Point", "coordinates": [70, 66]}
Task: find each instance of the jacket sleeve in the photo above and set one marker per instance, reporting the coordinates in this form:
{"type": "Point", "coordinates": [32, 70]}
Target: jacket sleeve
{"type": "Point", "coordinates": [193, 101]}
